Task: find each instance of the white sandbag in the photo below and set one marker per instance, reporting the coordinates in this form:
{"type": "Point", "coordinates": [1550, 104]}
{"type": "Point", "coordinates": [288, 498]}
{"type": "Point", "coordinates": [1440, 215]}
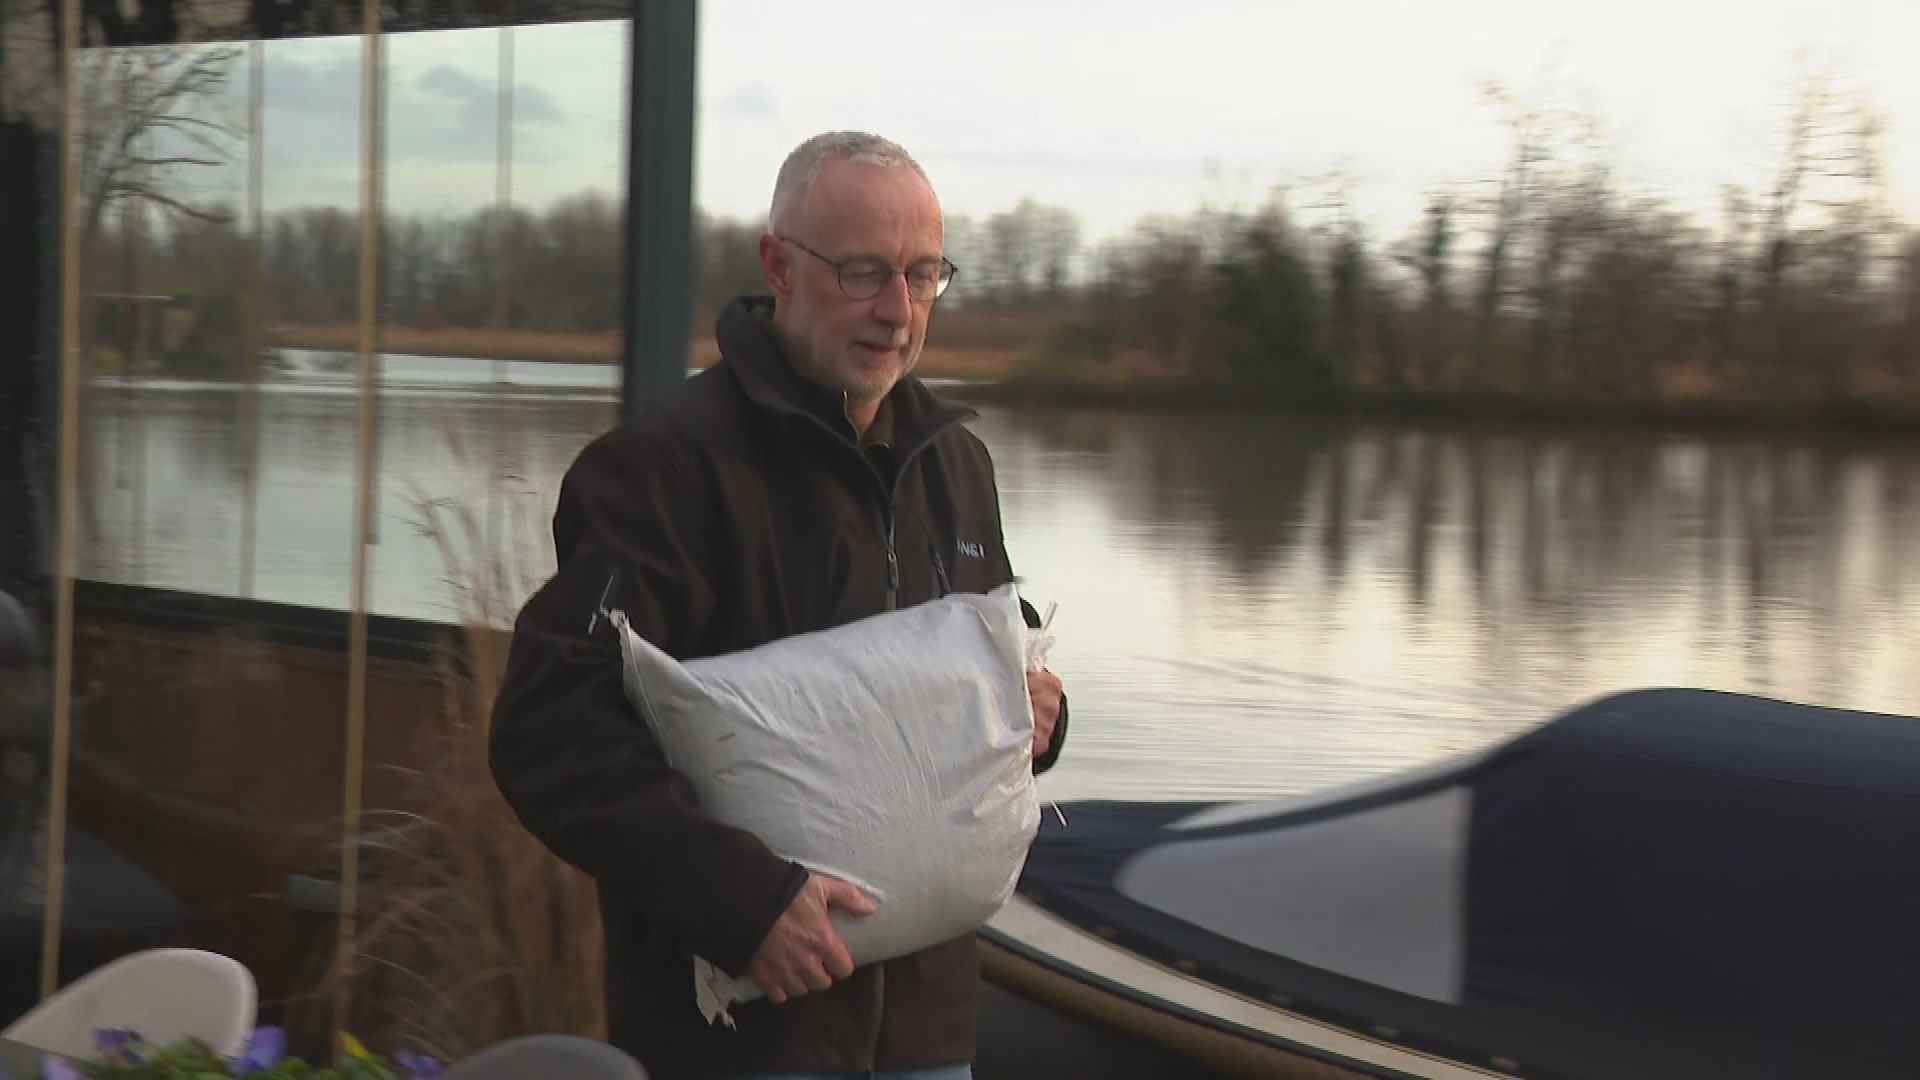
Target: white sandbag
{"type": "Point", "coordinates": [894, 752]}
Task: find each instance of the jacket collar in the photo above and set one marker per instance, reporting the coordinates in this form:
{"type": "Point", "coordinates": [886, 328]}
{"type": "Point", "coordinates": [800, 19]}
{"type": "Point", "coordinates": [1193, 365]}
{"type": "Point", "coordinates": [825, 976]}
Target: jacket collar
{"type": "Point", "coordinates": [752, 351]}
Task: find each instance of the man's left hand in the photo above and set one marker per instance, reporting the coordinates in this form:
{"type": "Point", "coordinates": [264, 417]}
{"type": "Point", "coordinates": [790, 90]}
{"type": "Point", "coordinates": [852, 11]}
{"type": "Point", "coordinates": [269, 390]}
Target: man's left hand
{"type": "Point", "coordinates": [1043, 689]}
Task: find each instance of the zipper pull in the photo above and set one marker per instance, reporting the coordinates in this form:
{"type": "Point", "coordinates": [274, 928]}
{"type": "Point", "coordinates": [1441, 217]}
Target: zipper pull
{"type": "Point", "coordinates": [939, 570]}
{"type": "Point", "coordinates": [600, 609]}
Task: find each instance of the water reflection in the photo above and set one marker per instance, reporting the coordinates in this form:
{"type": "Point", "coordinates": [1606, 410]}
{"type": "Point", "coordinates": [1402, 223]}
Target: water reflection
{"type": "Point", "coordinates": [1258, 602]}
{"type": "Point", "coordinates": [1250, 603]}
{"type": "Point", "coordinates": [447, 431]}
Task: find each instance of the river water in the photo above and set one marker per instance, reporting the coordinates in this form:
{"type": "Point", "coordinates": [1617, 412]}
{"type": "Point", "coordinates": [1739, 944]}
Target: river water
{"type": "Point", "coordinates": [1250, 603]}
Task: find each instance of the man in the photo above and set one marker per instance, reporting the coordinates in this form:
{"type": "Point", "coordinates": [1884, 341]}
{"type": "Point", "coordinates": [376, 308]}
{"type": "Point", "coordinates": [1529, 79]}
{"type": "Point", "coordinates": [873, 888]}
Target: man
{"type": "Point", "coordinates": [805, 481]}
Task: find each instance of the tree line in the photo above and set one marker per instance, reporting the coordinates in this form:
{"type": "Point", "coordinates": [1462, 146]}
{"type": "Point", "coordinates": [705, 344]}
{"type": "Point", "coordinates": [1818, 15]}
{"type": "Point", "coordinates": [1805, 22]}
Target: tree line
{"type": "Point", "coordinates": [553, 270]}
{"type": "Point", "coordinates": [1555, 278]}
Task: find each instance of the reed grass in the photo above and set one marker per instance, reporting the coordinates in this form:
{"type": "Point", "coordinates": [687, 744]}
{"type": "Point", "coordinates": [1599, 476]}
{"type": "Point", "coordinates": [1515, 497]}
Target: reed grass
{"type": "Point", "coordinates": [469, 931]}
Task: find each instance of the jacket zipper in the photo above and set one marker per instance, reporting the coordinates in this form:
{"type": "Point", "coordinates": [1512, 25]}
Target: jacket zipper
{"type": "Point", "coordinates": [884, 516]}
{"type": "Point", "coordinates": [939, 569]}
{"type": "Point", "coordinates": [890, 492]}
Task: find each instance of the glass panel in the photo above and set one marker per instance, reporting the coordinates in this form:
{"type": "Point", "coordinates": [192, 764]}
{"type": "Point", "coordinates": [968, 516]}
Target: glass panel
{"type": "Point", "coordinates": [29, 263]}
{"type": "Point", "coordinates": [219, 266]}
{"type": "Point", "coordinates": [501, 287]}
{"type": "Point", "coordinates": [501, 245]}
{"type": "Point", "coordinates": [219, 191]}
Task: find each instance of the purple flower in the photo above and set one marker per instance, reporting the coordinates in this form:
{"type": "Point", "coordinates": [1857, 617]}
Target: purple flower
{"type": "Point", "coordinates": [418, 1066]}
{"type": "Point", "coordinates": [265, 1047]}
{"type": "Point", "coordinates": [55, 1068]}
{"type": "Point", "coordinates": [120, 1045]}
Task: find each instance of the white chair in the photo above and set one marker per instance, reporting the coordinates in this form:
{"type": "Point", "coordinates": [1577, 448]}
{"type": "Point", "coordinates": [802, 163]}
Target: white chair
{"type": "Point", "coordinates": [164, 994]}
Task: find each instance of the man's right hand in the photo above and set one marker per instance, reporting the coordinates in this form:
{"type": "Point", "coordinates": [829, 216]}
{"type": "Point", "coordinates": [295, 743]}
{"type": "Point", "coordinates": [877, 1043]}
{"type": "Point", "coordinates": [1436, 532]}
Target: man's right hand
{"type": "Point", "coordinates": [803, 953]}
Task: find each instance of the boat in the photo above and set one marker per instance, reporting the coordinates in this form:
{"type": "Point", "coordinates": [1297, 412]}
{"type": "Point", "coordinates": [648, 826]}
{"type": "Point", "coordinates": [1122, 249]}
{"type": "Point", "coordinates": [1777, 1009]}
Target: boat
{"type": "Point", "coordinates": [1660, 884]}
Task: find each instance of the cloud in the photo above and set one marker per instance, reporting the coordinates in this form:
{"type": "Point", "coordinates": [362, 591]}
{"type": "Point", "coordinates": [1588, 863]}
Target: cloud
{"type": "Point", "coordinates": [326, 86]}
{"type": "Point", "coordinates": [453, 115]}
{"type": "Point", "coordinates": [478, 99]}
{"type": "Point", "coordinates": [450, 82]}
{"type": "Point", "coordinates": [534, 107]}
{"type": "Point", "coordinates": [753, 101]}
{"type": "Point", "coordinates": [442, 116]}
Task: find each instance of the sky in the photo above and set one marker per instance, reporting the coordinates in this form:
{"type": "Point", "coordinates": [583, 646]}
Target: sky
{"type": "Point", "coordinates": [1117, 109]}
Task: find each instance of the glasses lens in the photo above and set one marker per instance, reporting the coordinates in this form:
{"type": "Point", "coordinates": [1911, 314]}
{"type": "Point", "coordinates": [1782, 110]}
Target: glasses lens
{"type": "Point", "coordinates": [923, 280]}
{"type": "Point", "coordinates": [862, 279]}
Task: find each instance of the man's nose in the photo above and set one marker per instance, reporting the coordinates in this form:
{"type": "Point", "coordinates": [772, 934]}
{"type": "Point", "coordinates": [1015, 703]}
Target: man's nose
{"type": "Point", "coordinates": [894, 305]}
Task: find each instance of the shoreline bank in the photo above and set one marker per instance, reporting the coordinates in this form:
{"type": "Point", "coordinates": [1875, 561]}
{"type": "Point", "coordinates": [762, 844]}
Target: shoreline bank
{"type": "Point", "coordinates": [1879, 418]}
{"type": "Point", "coordinates": [991, 374]}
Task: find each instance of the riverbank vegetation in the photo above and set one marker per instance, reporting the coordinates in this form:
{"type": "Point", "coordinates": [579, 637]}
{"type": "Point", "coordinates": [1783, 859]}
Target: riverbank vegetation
{"type": "Point", "coordinates": [1557, 285]}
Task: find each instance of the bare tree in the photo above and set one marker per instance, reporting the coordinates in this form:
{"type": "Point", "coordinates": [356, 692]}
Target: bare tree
{"type": "Point", "coordinates": [1789, 184]}
{"type": "Point", "coordinates": [579, 270]}
{"type": "Point", "coordinates": [1730, 280]}
{"type": "Point", "coordinates": [1153, 286]}
{"type": "Point", "coordinates": [965, 245]}
{"type": "Point", "coordinates": [1056, 241]}
{"type": "Point", "coordinates": [1030, 250]}
{"type": "Point", "coordinates": [151, 116]}
{"type": "Point", "coordinates": [1430, 257]}
{"type": "Point", "coordinates": [312, 265]}
{"type": "Point", "coordinates": [1903, 341]}
{"type": "Point", "coordinates": [1629, 300]}
{"type": "Point", "coordinates": [1515, 195]}
{"type": "Point", "coordinates": [727, 254]}
{"type": "Point", "coordinates": [1349, 279]}
{"type": "Point", "coordinates": [1574, 208]}
{"type": "Point", "coordinates": [1823, 237]}
{"type": "Point", "coordinates": [1011, 254]}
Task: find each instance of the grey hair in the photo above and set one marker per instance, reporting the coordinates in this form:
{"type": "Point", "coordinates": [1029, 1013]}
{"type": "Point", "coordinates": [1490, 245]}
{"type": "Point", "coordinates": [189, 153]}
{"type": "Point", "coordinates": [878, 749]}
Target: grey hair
{"type": "Point", "coordinates": [803, 165]}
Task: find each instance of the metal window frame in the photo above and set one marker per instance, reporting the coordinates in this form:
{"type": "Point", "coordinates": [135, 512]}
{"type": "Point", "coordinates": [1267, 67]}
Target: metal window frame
{"type": "Point", "coordinates": [658, 281]}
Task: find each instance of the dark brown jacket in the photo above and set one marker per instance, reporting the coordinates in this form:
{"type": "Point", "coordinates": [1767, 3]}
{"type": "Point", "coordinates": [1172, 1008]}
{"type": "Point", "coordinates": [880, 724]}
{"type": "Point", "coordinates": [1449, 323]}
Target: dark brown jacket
{"type": "Point", "coordinates": [742, 510]}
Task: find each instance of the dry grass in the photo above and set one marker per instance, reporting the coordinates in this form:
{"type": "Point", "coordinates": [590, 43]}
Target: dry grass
{"type": "Point", "coordinates": [469, 931]}
{"type": "Point", "coordinates": [978, 363]}
{"type": "Point", "coordinates": [475, 341]}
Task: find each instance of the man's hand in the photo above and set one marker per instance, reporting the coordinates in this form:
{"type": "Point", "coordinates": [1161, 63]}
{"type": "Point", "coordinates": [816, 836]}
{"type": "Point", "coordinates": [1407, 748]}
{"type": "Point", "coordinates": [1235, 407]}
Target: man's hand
{"type": "Point", "coordinates": [1043, 689]}
{"type": "Point", "coordinates": [802, 952]}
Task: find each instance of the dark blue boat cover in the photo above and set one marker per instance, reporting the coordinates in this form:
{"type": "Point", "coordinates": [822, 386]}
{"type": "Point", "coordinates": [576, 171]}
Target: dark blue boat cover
{"type": "Point", "coordinates": [1664, 883]}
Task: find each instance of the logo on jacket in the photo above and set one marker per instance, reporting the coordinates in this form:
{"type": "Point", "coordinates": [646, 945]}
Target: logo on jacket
{"type": "Point", "coordinates": [970, 549]}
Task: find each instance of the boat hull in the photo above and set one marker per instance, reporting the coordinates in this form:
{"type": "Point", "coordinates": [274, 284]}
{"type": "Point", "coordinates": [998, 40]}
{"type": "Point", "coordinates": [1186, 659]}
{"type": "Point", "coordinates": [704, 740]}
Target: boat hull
{"type": "Point", "coordinates": [1042, 958]}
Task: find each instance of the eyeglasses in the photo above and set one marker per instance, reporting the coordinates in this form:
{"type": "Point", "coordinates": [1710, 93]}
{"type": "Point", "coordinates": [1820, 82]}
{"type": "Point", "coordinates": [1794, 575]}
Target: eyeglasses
{"type": "Point", "coordinates": [862, 277]}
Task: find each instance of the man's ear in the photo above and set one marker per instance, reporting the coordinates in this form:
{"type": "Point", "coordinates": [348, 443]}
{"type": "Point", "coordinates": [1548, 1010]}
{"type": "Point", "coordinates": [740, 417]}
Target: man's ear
{"type": "Point", "coordinates": [776, 262]}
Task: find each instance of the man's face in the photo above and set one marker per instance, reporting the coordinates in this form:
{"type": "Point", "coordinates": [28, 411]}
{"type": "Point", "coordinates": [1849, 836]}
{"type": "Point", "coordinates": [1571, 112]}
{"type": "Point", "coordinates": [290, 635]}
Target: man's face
{"type": "Point", "coordinates": [860, 347]}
